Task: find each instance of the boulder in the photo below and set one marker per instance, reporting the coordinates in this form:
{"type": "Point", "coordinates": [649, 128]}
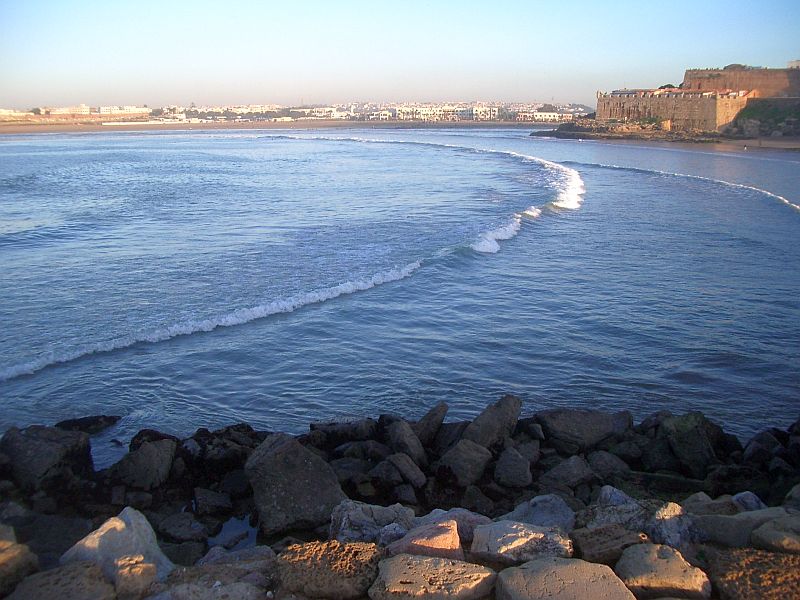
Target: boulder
{"type": "Point", "coordinates": [408, 469]}
{"type": "Point", "coordinates": [76, 581]}
{"type": "Point", "coordinates": [463, 464]}
{"type": "Point", "coordinates": [262, 556]}
{"type": "Point", "coordinates": [428, 426]}
{"type": "Point", "coordinates": [701, 503]}
{"type": "Point", "coordinates": [185, 554]}
{"type": "Point", "coordinates": [576, 430]}
{"type": "Point", "coordinates": [466, 520]}
{"type": "Point", "coordinates": [605, 544]}
{"type": "Point", "coordinates": [495, 423]}
{"type": "Point", "coordinates": [512, 542]}
{"type": "Point", "coordinates": [353, 521]}
{"type": "Point", "coordinates": [448, 436]}
{"type": "Point", "coordinates": [531, 450]}
{"type": "Point", "coordinates": [385, 474]}
{"type": "Point", "coordinates": [438, 539]}
{"type": "Point", "coordinates": [89, 425]}
{"type": "Point", "coordinates": [368, 450]}
{"type": "Point", "coordinates": [657, 456]}
{"type": "Point", "coordinates": [734, 530]}
{"type": "Point", "coordinates": [748, 574]}
{"type": "Point", "coordinates": [147, 467]}
{"type": "Point", "coordinates": [16, 563]}
{"type": "Point", "coordinates": [403, 439]}
{"type": "Point", "coordinates": [549, 510]}
{"type": "Point", "coordinates": [49, 536]}
{"type": "Point", "coordinates": [407, 577]}
{"type": "Point", "coordinates": [611, 496]}
{"type": "Point", "coordinates": [571, 472]}
{"type": "Point", "coordinates": [513, 469]}
{"type": "Point", "coordinates": [748, 501]}
{"type": "Point", "coordinates": [778, 535]}
{"type": "Point", "coordinates": [45, 457]}
{"type": "Point", "coordinates": [238, 590]}
{"type": "Point", "coordinates": [208, 502]}
{"type": "Point", "coordinates": [293, 487]}
{"type": "Point", "coordinates": [792, 498]}
{"type": "Point", "coordinates": [329, 569]}
{"type": "Point", "coordinates": [127, 534]}
{"type": "Point", "coordinates": [656, 571]}
{"type": "Point", "coordinates": [183, 527]}
{"type": "Point", "coordinates": [133, 577]}
{"type": "Point", "coordinates": [554, 578]}
{"type": "Point", "coordinates": [340, 433]}
{"type": "Point", "coordinates": [607, 466]}
{"type": "Point", "coordinates": [692, 439]}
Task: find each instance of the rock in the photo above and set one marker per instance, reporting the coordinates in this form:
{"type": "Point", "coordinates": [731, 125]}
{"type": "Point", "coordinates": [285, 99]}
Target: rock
{"type": "Point", "coordinates": [133, 577]}
{"type": "Point", "coordinates": [571, 472]}
{"type": "Point", "coordinates": [748, 501]}
{"type": "Point", "coordinates": [90, 425]}
{"type": "Point", "coordinates": [734, 530]}
{"type": "Point", "coordinates": [235, 484]}
{"type": "Point", "coordinates": [353, 521]}
{"type": "Point", "coordinates": [554, 578]}
{"type": "Point", "coordinates": [49, 536]}
{"type": "Point", "coordinates": [329, 569]}
{"type": "Point", "coordinates": [349, 469]}
{"type": "Point", "coordinates": [428, 426]}
{"type": "Point", "coordinates": [495, 423]}
{"type": "Point", "coordinates": [748, 574]}
{"type": "Point", "coordinates": [448, 436]}
{"type": "Point", "coordinates": [339, 433]}
{"type": "Point", "coordinates": [369, 450]}
{"type": "Point", "coordinates": [792, 498]}
{"type": "Point", "coordinates": [16, 563]}
{"type": "Point", "coordinates": [655, 571]}
{"type": "Point", "coordinates": [512, 542]}
{"type": "Point", "coordinates": [628, 451]}
{"type": "Point", "coordinates": [46, 457]}
{"type": "Point", "coordinates": [183, 527]}
{"type": "Point", "coordinates": [407, 577]}
{"type": "Point", "coordinates": [463, 464]}
{"type": "Point", "coordinates": [778, 535]}
{"type": "Point", "coordinates": [604, 544]}
{"type": "Point", "coordinates": [403, 439]}
{"type": "Point", "coordinates": [466, 520]}
{"type": "Point", "coordinates": [607, 466]}
{"type": "Point", "coordinates": [7, 534]}
{"type": "Point", "coordinates": [549, 510]}
{"type": "Point", "coordinates": [293, 487]}
{"type": "Point", "coordinates": [701, 503]}
{"type": "Point", "coordinates": [261, 555]}
{"type": "Point", "coordinates": [438, 539]}
{"type": "Point", "coordinates": [385, 474]}
{"type": "Point", "coordinates": [129, 533]}
{"type": "Point", "coordinates": [611, 496]}
{"type": "Point", "coordinates": [238, 590]}
{"type": "Point", "coordinates": [575, 430]}
{"type": "Point", "coordinates": [692, 438]}
{"type": "Point", "coordinates": [185, 554]}
{"type": "Point", "coordinates": [390, 533]}
{"type": "Point", "coordinates": [149, 435]}
{"type": "Point", "coordinates": [408, 469]}
{"type": "Point", "coordinates": [476, 501]}
{"type": "Point", "coordinates": [404, 494]}
{"type": "Point", "coordinates": [512, 469]}
{"type": "Point", "coordinates": [76, 581]}
{"type": "Point", "coordinates": [530, 450]}
{"type": "Point", "coordinates": [211, 503]}
{"type": "Point", "coordinates": [658, 456]}
{"type": "Point", "coordinates": [147, 467]}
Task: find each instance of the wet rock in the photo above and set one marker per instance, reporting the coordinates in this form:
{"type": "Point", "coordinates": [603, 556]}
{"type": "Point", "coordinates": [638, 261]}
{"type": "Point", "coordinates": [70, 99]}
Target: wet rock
{"type": "Point", "coordinates": [554, 578]}
{"type": "Point", "coordinates": [512, 542]}
{"type": "Point", "coordinates": [549, 510]}
{"type": "Point", "coordinates": [512, 469]}
{"type": "Point", "coordinates": [747, 574]}
{"type": "Point", "coordinates": [149, 435]}
{"type": "Point", "coordinates": [403, 439]}
{"type": "Point", "coordinates": [735, 530]}
{"type": "Point", "coordinates": [571, 472]}
{"type": "Point", "coordinates": [778, 535]}
{"type": "Point", "coordinates": [575, 430]}
{"type": "Point", "coordinates": [129, 533]}
{"type": "Point", "coordinates": [183, 527]}
{"type": "Point", "coordinates": [208, 502]}
{"type": "Point", "coordinates": [353, 521]}
{"type": "Point", "coordinates": [428, 426]}
{"type": "Point", "coordinates": [90, 425]}
{"type": "Point", "coordinates": [407, 577]}
{"type": "Point", "coordinates": [605, 544]}
{"type": "Point", "coordinates": [692, 439]}
{"type": "Point", "coordinates": [438, 539]}
{"type": "Point", "coordinates": [607, 466]}
{"type": "Point", "coordinates": [655, 571]}
{"type": "Point", "coordinates": [466, 520]}
{"type": "Point", "coordinates": [76, 581]}
{"type": "Point", "coordinates": [293, 487]}
{"type": "Point", "coordinates": [147, 467]}
{"type": "Point", "coordinates": [408, 469]}
{"type": "Point", "coordinates": [495, 423]}
{"type": "Point", "coordinates": [329, 569]}
{"type": "Point", "coordinates": [16, 563]}
{"type": "Point", "coordinates": [463, 464]}
{"type": "Point", "coordinates": [46, 457]}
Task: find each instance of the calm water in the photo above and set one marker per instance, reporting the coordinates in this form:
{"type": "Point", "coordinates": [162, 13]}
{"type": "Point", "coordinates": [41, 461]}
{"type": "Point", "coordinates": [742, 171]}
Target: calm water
{"type": "Point", "coordinates": [204, 278]}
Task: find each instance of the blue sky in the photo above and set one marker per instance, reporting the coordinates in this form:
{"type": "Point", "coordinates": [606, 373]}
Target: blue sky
{"type": "Point", "coordinates": [146, 52]}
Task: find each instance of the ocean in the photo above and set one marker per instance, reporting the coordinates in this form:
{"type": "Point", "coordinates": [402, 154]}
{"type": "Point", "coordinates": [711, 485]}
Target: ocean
{"type": "Point", "coordinates": [203, 278]}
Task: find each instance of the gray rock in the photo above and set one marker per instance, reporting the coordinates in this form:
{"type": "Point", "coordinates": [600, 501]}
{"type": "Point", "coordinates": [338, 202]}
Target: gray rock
{"type": "Point", "coordinates": [530, 450]}
{"type": "Point", "coordinates": [45, 457]}
{"type": "Point", "coordinates": [293, 487]}
{"type": "Point", "coordinates": [405, 577]}
{"type": "Point", "coordinates": [607, 466]}
{"type": "Point", "coordinates": [147, 467]}
{"type": "Point", "coordinates": [208, 502]}
{"type": "Point", "coordinates": [658, 456]}
{"type": "Point", "coordinates": [576, 430]}
{"type": "Point", "coordinates": [353, 521]}
{"type": "Point", "coordinates": [49, 536]}
{"type": "Point", "coordinates": [512, 542]}
{"type": "Point", "coordinates": [127, 534]}
{"type": "Point", "coordinates": [428, 426]}
{"type": "Point", "coordinates": [611, 496]}
{"type": "Point", "coordinates": [655, 571]}
{"type": "Point", "coordinates": [390, 533]}
{"type": "Point", "coordinates": [571, 472]}
{"type": "Point", "coordinates": [549, 510]}
{"type": "Point", "coordinates": [663, 522]}
{"type": "Point", "coordinates": [386, 473]}
{"type": "Point", "coordinates": [692, 438]}
{"type": "Point", "coordinates": [792, 498]}
{"type": "Point", "coordinates": [778, 535]}
{"type": "Point", "coordinates": [495, 423]}
{"type": "Point", "coordinates": [734, 530]}
{"type": "Point", "coordinates": [605, 544]}
{"type": "Point", "coordinates": [183, 527]}
{"type": "Point", "coordinates": [349, 469]}
{"type": "Point", "coordinates": [349, 431]}
{"type": "Point", "coordinates": [448, 436]}
{"type": "Point", "coordinates": [408, 469]}
{"type": "Point", "coordinates": [701, 503]}
{"type": "Point", "coordinates": [16, 563]}
{"type": "Point", "coordinates": [184, 554]}
{"type": "Point", "coordinates": [403, 439]}
{"type": "Point", "coordinates": [404, 494]}
{"type": "Point", "coordinates": [466, 520]}
{"type": "Point", "coordinates": [77, 581]}
{"type": "Point", "coordinates": [464, 463]}
{"type": "Point", "coordinates": [748, 501]}
{"type": "Point", "coordinates": [628, 451]}
{"type": "Point", "coordinates": [90, 425]}
{"type": "Point", "coordinates": [553, 578]}
{"type": "Point", "coordinates": [255, 554]}
{"type": "Point", "coordinates": [368, 450]}
{"type": "Point", "coordinates": [513, 469]}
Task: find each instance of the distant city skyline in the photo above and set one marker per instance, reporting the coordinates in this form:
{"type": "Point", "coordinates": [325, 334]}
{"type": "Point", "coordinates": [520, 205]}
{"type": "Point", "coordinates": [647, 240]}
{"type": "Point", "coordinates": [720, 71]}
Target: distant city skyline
{"type": "Point", "coordinates": [156, 53]}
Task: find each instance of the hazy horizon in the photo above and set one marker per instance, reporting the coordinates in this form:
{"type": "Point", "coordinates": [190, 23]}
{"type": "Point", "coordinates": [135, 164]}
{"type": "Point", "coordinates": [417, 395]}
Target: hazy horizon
{"type": "Point", "coordinates": [256, 53]}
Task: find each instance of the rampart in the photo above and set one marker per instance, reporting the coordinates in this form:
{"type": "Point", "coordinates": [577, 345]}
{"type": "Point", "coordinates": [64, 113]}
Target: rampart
{"type": "Point", "coordinates": [767, 83]}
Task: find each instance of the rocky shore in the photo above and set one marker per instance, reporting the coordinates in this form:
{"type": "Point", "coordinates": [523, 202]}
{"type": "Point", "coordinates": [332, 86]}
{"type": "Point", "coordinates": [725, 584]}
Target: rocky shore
{"type": "Point", "coordinates": [561, 504]}
{"type": "Point", "coordinates": [588, 129]}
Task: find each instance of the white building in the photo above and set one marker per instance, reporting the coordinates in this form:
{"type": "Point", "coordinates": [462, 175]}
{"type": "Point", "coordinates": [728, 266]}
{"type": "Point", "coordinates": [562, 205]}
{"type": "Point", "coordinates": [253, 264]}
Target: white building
{"type": "Point", "coordinates": [123, 110]}
{"type": "Point", "coordinates": [485, 113]}
{"type": "Point", "coordinates": [81, 109]}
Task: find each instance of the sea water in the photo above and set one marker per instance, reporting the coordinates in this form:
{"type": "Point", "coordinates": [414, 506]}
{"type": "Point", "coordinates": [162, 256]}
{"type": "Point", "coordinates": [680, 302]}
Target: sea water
{"type": "Point", "coordinates": [202, 278]}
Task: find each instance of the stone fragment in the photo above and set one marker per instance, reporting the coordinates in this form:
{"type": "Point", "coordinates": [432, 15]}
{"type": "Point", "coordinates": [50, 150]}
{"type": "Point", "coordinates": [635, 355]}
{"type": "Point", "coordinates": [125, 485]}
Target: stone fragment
{"type": "Point", "coordinates": [127, 534]}
{"type": "Point", "coordinates": [76, 581]}
{"type": "Point", "coordinates": [44, 457]}
{"type": "Point", "coordinates": [778, 535]}
{"type": "Point", "coordinates": [183, 527]}
{"type": "Point", "coordinates": [512, 469]}
{"type": "Point", "coordinates": [90, 425]}
{"type": "Point", "coordinates": [403, 439]}
{"type": "Point", "coordinates": [353, 521]}
{"type": "Point", "coordinates": [495, 423]}
{"type": "Point", "coordinates": [692, 438]}
{"type": "Point", "coordinates": [549, 510]}
{"type": "Point", "coordinates": [655, 571]}
{"type": "Point", "coordinates": [466, 520]}
{"type": "Point", "coordinates": [604, 544]}
{"type": "Point", "coordinates": [438, 539]}
{"type": "Point", "coordinates": [407, 577]}
{"type": "Point", "coordinates": [512, 542]}
{"type": "Point", "coordinates": [293, 487]}
{"type": "Point", "coordinates": [749, 574]}
{"type": "Point", "coordinates": [16, 563]}
{"type": "Point", "coordinates": [147, 467]}
{"type": "Point", "coordinates": [571, 472]}
{"type": "Point", "coordinates": [575, 430]}
{"type": "Point", "coordinates": [408, 469]}
{"type": "Point", "coordinates": [329, 569]}
{"type": "Point", "coordinates": [607, 466]}
{"type": "Point", "coordinates": [554, 578]}
{"type": "Point", "coordinates": [734, 530]}
{"type": "Point", "coordinates": [464, 463]}
{"type": "Point", "coordinates": [133, 577]}
{"type": "Point", "coordinates": [208, 502]}
{"type": "Point", "coordinates": [428, 426]}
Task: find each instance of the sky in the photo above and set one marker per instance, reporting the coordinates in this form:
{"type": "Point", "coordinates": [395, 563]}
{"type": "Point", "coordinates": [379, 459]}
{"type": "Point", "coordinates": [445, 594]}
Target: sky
{"type": "Point", "coordinates": [65, 52]}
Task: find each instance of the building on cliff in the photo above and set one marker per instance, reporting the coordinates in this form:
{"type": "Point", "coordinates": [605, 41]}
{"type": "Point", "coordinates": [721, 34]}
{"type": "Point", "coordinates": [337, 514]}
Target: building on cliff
{"type": "Point", "coordinates": [707, 100]}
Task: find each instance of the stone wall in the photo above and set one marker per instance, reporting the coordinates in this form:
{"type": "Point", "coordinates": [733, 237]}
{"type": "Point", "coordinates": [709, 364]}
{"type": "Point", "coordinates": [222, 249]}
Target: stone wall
{"type": "Point", "coordinates": [768, 82]}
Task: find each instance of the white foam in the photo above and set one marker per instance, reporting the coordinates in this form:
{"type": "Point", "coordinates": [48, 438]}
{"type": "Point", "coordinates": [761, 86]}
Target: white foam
{"type": "Point", "coordinates": [188, 327]}
{"type": "Point", "coordinates": [487, 243]}
{"type": "Point", "coordinates": [532, 212]}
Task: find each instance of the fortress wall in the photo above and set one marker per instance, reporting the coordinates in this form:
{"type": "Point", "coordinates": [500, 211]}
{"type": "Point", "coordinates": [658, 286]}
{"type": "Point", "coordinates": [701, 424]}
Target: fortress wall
{"type": "Point", "coordinates": [768, 82]}
{"type": "Point", "coordinates": [685, 113]}
{"type": "Point", "coordinates": [728, 108]}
